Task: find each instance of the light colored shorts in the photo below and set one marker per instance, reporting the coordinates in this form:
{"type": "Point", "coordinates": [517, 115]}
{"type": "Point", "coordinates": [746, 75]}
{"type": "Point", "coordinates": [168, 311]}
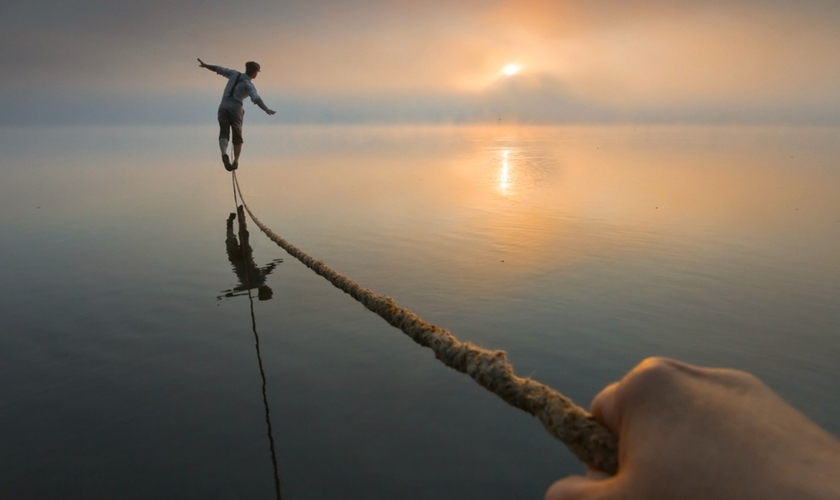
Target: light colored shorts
{"type": "Point", "coordinates": [230, 117]}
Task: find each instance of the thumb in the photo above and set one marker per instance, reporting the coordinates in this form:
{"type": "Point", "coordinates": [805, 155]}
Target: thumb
{"type": "Point", "coordinates": [579, 487]}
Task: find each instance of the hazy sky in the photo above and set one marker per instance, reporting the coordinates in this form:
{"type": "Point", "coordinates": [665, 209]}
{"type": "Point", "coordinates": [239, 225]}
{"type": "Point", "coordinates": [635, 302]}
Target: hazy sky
{"type": "Point", "coordinates": [715, 60]}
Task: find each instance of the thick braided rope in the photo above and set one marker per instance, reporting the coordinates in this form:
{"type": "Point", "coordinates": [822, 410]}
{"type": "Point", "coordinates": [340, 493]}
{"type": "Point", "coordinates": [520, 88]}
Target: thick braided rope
{"type": "Point", "coordinates": [591, 442]}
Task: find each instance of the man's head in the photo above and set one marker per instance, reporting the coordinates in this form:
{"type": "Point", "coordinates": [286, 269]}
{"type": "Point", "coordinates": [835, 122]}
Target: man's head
{"type": "Point", "coordinates": [251, 69]}
{"type": "Point", "coordinates": [264, 293]}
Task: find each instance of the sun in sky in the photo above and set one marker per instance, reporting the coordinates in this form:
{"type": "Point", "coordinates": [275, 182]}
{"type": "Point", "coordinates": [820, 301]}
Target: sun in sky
{"type": "Point", "coordinates": [511, 69]}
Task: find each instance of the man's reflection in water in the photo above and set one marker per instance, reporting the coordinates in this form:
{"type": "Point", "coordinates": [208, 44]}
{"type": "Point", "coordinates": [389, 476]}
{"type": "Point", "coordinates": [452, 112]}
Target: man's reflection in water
{"type": "Point", "coordinates": [240, 255]}
{"type": "Point", "coordinates": [250, 277]}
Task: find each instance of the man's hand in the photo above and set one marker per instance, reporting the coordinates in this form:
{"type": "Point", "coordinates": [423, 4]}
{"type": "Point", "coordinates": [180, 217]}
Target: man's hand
{"type": "Point", "coordinates": [202, 64]}
{"type": "Point", "coordinates": [261, 104]}
{"type": "Point", "coordinates": [692, 433]}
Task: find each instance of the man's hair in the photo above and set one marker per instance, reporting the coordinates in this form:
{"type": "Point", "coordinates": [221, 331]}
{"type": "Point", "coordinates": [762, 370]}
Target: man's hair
{"type": "Point", "coordinates": [251, 66]}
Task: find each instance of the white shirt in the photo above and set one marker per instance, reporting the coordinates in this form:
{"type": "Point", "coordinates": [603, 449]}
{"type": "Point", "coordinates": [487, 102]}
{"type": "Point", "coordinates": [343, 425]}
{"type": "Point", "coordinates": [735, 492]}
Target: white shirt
{"type": "Point", "coordinates": [244, 88]}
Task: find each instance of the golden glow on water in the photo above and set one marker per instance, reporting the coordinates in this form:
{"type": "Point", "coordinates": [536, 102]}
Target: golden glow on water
{"type": "Point", "coordinates": [534, 197]}
{"type": "Point", "coordinates": [539, 198]}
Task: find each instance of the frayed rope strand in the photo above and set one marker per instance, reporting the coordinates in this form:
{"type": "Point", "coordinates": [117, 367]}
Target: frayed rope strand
{"type": "Point", "coordinates": [591, 442]}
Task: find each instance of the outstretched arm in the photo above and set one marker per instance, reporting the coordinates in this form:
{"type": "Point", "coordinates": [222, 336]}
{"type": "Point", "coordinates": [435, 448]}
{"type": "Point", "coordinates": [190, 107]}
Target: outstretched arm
{"type": "Point", "coordinates": [208, 66]}
{"type": "Point", "coordinates": [261, 104]}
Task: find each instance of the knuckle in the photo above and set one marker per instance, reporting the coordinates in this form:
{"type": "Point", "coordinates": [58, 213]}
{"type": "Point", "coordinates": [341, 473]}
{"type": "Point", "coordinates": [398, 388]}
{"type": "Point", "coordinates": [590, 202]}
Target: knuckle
{"type": "Point", "coordinates": [656, 369]}
{"type": "Point", "coordinates": [737, 379]}
{"type": "Point", "coordinates": [652, 375]}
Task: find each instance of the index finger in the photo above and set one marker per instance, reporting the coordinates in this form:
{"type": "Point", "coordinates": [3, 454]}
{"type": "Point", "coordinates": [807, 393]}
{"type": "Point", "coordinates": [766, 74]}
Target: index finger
{"type": "Point", "coordinates": [605, 408]}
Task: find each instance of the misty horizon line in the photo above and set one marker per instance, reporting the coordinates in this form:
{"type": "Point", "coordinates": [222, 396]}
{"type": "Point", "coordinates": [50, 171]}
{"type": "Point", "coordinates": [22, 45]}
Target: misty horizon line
{"type": "Point", "coordinates": [538, 108]}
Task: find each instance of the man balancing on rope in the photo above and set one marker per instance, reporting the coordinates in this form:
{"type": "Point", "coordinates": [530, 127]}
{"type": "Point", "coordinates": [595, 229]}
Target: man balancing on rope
{"type": "Point", "coordinates": [231, 111]}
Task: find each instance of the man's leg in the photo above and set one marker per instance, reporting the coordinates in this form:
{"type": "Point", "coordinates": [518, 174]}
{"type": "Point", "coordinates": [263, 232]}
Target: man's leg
{"type": "Point", "coordinates": [236, 127]}
{"type": "Point", "coordinates": [224, 136]}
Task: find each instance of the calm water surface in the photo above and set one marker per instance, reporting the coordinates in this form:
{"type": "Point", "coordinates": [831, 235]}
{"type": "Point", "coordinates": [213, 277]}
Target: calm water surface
{"type": "Point", "coordinates": [129, 365]}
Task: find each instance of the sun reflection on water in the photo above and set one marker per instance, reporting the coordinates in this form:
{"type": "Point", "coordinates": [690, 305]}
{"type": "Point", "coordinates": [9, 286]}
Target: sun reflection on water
{"type": "Point", "coordinates": [504, 174]}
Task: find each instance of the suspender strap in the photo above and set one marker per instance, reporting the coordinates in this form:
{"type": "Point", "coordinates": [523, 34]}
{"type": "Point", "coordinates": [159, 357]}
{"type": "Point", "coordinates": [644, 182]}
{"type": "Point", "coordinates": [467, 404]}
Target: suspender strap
{"type": "Point", "coordinates": [235, 83]}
